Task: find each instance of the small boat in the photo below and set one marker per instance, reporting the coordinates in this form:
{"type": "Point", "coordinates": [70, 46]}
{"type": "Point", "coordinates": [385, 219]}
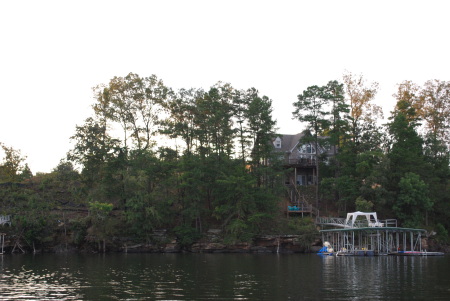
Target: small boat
{"type": "Point", "coordinates": [417, 253]}
{"type": "Point", "coordinates": [326, 250]}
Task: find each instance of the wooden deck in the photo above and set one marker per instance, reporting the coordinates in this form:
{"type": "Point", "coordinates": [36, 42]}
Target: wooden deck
{"type": "Point", "coordinates": [301, 162]}
{"type": "Point", "coordinates": [299, 209]}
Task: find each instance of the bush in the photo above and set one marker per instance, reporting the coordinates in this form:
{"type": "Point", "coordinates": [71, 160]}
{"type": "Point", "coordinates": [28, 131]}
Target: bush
{"type": "Point", "coordinates": [186, 235]}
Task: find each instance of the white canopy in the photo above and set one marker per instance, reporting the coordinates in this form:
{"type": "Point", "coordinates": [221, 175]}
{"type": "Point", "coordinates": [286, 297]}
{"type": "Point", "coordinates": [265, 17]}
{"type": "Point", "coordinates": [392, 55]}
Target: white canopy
{"type": "Point", "coordinates": [371, 217]}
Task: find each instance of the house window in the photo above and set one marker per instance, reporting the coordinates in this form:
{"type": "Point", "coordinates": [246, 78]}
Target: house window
{"type": "Point", "coordinates": [307, 149]}
{"type": "Point", "coordinates": [277, 142]}
{"type": "Point", "coordinates": [301, 180]}
{"type": "Point", "coordinates": [305, 180]}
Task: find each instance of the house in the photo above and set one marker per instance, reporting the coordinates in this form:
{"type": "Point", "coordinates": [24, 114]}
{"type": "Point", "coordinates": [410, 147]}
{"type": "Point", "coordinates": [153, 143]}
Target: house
{"type": "Point", "coordinates": [300, 158]}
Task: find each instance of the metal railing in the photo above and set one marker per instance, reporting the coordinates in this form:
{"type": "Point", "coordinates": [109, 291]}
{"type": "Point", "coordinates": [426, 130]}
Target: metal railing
{"type": "Point", "coordinates": [332, 221]}
{"type": "Point", "coordinates": [5, 219]}
{"type": "Point", "coordinates": [341, 222]}
{"type": "Point", "coordinates": [389, 222]}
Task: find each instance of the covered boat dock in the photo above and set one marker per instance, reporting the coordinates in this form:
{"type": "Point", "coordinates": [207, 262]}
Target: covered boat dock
{"type": "Point", "coordinates": [361, 233]}
{"type": "Point", "coordinates": [374, 240]}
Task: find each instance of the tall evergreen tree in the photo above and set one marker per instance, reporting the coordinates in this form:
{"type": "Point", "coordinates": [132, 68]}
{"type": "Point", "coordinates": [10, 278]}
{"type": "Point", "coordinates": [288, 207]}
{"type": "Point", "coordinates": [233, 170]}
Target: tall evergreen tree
{"type": "Point", "coordinates": [312, 108]}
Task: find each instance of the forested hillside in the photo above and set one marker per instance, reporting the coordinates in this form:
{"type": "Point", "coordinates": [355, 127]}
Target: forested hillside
{"type": "Point", "coordinates": [152, 158]}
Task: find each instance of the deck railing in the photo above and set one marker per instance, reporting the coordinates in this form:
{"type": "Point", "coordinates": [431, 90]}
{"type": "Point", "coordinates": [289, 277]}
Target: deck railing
{"type": "Point", "coordinates": [300, 208]}
{"type": "Point", "coordinates": [341, 222]}
{"type": "Point", "coordinates": [301, 162]}
{"type": "Point", "coordinates": [389, 222]}
{"type": "Point", "coordinates": [332, 221]}
{"type": "Point", "coordinates": [5, 219]}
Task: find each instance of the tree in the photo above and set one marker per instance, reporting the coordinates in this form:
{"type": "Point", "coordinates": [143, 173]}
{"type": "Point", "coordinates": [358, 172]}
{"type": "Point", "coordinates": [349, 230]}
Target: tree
{"type": "Point", "coordinates": [26, 173]}
{"type": "Point", "coordinates": [312, 109]}
{"type": "Point", "coordinates": [261, 130]}
{"type": "Point", "coordinates": [436, 110]}
{"type": "Point", "coordinates": [334, 93]}
{"type": "Point", "coordinates": [406, 152]}
{"type": "Point", "coordinates": [11, 167]}
{"type": "Point", "coordinates": [92, 150]}
{"type": "Point", "coordinates": [435, 97]}
{"type": "Point", "coordinates": [412, 202]}
{"type": "Point", "coordinates": [103, 225]}
{"type": "Point", "coordinates": [362, 111]}
{"type": "Point", "coordinates": [363, 205]}
{"type": "Point", "coordinates": [215, 119]}
{"type": "Point", "coordinates": [147, 94]}
{"type": "Point", "coordinates": [337, 131]}
{"type": "Point", "coordinates": [240, 105]}
{"type": "Point", "coordinates": [145, 195]}
{"type": "Point", "coordinates": [409, 93]}
{"type": "Point", "coordinates": [182, 111]}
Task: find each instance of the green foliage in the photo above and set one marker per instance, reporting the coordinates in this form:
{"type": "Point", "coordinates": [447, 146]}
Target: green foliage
{"type": "Point", "coordinates": [103, 225]}
{"type": "Point", "coordinates": [100, 210]}
{"type": "Point", "coordinates": [238, 231]}
{"type": "Point", "coordinates": [346, 187]}
{"type": "Point", "coordinates": [441, 233]}
{"type": "Point", "coordinates": [78, 228]}
{"type": "Point", "coordinates": [26, 174]}
{"type": "Point", "coordinates": [186, 235]}
{"type": "Point", "coordinates": [32, 217]}
{"type": "Point", "coordinates": [11, 169]}
{"type": "Point", "coordinates": [406, 154]}
{"type": "Point", "coordinates": [363, 205]}
{"type": "Point", "coordinates": [302, 225]}
{"type": "Point", "coordinates": [305, 228]}
{"type": "Point", "coordinates": [142, 216]}
{"type": "Point", "coordinates": [413, 200]}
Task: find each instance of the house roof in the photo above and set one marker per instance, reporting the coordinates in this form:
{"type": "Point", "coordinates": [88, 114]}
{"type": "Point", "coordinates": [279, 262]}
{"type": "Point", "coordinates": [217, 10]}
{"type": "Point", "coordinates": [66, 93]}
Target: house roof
{"type": "Point", "coordinates": [289, 142]}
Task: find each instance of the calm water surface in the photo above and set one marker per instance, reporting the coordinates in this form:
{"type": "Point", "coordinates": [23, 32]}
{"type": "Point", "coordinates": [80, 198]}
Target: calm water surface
{"type": "Point", "coordinates": [222, 277]}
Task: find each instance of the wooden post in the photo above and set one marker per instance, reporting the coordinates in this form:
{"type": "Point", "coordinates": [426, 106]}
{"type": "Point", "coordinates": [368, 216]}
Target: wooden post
{"type": "Point", "coordinates": [412, 240]}
{"type": "Point", "coordinates": [2, 240]}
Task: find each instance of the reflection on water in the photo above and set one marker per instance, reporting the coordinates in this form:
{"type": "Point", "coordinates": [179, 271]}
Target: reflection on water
{"type": "Point", "coordinates": [24, 283]}
{"type": "Point", "coordinates": [222, 277]}
{"type": "Point", "coordinates": [386, 277]}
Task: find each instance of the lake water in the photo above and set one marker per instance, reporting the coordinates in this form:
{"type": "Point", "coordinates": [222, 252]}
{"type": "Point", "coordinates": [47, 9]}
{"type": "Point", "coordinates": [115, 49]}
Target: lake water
{"type": "Point", "coordinates": [222, 277]}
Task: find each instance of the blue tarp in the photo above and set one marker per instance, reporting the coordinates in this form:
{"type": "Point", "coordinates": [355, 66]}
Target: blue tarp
{"type": "Point", "coordinates": [323, 250]}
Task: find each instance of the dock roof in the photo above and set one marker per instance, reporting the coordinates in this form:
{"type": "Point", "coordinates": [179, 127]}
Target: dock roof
{"type": "Point", "coordinates": [374, 229]}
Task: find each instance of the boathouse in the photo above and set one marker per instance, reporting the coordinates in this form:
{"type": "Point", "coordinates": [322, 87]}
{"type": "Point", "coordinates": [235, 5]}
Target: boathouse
{"type": "Point", "coordinates": [361, 233]}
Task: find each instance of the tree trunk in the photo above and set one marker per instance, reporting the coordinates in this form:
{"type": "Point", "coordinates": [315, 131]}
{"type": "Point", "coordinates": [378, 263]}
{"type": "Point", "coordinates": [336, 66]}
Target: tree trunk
{"type": "Point", "coordinates": [317, 171]}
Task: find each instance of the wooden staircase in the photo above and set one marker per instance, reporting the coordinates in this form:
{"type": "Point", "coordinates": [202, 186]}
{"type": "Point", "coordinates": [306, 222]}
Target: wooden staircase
{"type": "Point", "coordinates": [298, 204]}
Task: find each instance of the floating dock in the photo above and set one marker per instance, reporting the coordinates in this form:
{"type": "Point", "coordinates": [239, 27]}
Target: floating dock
{"type": "Point", "coordinates": [362, 234]}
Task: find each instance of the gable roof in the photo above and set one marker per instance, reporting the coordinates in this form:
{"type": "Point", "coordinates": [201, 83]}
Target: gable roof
{"type": "Point", "coordinates": [289, 142]}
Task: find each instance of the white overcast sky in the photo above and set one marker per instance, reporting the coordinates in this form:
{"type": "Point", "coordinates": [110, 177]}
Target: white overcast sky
{"type": "Point", "coordinates": [53, 52]}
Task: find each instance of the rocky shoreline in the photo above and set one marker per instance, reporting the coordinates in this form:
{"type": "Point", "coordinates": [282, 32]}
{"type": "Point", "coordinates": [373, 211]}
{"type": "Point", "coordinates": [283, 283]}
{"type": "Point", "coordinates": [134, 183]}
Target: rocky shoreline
{"type": "Point", "coordinates": [162, 242]}
{"type": "Point", "coordinates": [261, 244]}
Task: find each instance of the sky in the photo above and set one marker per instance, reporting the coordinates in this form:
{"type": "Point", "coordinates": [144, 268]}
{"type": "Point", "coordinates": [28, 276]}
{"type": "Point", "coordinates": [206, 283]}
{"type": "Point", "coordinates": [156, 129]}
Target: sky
{"type": "Point", "coordinates": [53, 52]}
